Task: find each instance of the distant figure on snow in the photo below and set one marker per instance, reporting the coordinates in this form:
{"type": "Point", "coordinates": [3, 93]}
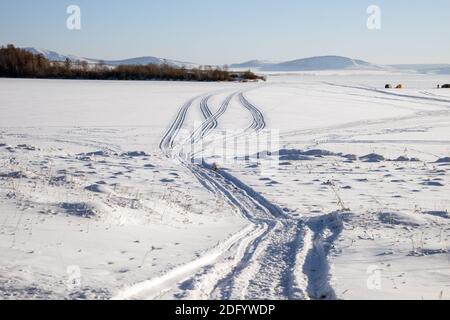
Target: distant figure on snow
{"type": "Point", "coordinates": [215, 167]}
{"type": "Point", "coordinates": [388, 86]}
{"type": "Point", "coordinates": [400, 86]}
{"type": "Point", "coordinates": [439, 86]}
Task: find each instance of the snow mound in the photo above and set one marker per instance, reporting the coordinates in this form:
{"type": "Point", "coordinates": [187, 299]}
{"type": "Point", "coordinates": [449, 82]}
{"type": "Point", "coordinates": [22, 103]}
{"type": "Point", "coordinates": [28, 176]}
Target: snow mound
{"type": "Point", "coordinates": [399, 218]}
{"type": "Point", "coordinates": [98, 188]}
{"type": "Point", "coordinates": [26, 147]}
{"type": "Point", "coordinates": [302, 155]}
{"type": "Point", "coordinates": [134, 154]}
{"type": "Point", "coordinates": [441, 214]}
{"type": "Point", "coordinates": [81, 209]}
{"type": "Point", "coordinates": [59, 180]}
{"type": "Point", "coordinates": [372, 157]}
{"type": "Point", "coordinates": [443, 160]}
{"type": "Point", "coordinates": [405, 159]}
{"type": "Point", "coordinates": [432, 184]}
{"type": "Point", "coordinates": [99, 153]}
{"type": "Point", "coordinates": [421, 252]}
{"type": "Point", "coordinates": [14, 175]}
{"type": "Point", "coordinates": [319, 153]}
{"type": "Point", "coordinates": [293, 155]}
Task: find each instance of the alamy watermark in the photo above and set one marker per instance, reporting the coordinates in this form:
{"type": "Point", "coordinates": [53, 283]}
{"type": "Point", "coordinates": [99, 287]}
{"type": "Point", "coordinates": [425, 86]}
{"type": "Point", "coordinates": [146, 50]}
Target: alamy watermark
{"type": "Point", "coordinates": [374, 278]}
{"type": "Point", "coordinates": [374, 19]}
{"type": "Point", "coordinates": [73, 21]}
{"type": "Point", "coordinates": [228, 147]}
{"type": "Point", "coordinates": [73, 278]}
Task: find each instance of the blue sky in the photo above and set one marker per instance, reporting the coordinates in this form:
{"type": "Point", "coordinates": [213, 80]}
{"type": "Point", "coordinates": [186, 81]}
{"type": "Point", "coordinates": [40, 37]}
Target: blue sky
{"type": "Point", "coordinates": [227, 31]}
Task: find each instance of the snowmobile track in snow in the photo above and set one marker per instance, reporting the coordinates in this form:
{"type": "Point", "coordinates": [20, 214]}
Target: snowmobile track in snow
{"type": "Point", "coordinates": [275, 257]}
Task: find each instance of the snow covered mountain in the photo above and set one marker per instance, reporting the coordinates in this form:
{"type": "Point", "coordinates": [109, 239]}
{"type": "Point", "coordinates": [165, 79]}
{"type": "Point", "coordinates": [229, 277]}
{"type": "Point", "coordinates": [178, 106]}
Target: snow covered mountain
{"type": "Point", "coordinates": [150, 60]}
{"type": "Point", "coordinates": [55, 56]}
{"type": "Point", "coordinates": [310, 64]}
{"type": "Point", "coordinates": [323, 63]}
{"type": "Point", "coordinates": [251, 64]}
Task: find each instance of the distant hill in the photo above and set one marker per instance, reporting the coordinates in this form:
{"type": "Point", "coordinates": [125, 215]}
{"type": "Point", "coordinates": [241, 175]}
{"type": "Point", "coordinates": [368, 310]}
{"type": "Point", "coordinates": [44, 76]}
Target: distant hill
{"type": "Point", "coordinates": [150, 60]}
{"type": "Point", "coordinates": [310, 64]}
{"type": "Point", "coordinates": [320, 63]}
{"type": "Point", "coordinates": [55, 56]}
{"type": "Point", "coordinates": [424, 68]}
{"type": "Point", "coordinates": [251, 64]}
{"type": "Point", "coordinates": [339, 63]}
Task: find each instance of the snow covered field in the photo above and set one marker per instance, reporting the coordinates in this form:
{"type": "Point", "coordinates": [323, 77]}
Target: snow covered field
{"type": "Point", "coordinates": [99, 198]}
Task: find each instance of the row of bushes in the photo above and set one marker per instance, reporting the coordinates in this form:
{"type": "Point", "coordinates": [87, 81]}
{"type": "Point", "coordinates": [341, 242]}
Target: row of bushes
{"type": "Point", "coordinates": [19, 63]}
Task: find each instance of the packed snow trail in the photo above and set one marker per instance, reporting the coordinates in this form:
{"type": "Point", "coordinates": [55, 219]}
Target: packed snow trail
{"type": "Point", "coordinates": [275, 257]}
{"type": "Point", "coordinates": [274, 249]}
{"type": "Point", "coordinates": [168, 140]}
{"type": "Point", "coordinates": [258, 119]}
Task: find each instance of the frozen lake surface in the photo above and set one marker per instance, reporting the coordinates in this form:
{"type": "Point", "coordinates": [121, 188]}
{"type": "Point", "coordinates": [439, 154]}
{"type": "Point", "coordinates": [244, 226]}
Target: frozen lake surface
{"type": "Point", "coordinates": [99, 198]}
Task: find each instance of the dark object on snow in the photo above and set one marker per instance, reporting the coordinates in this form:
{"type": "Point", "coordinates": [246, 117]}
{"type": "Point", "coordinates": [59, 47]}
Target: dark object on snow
{"type": "Point", "coordinates": [439, 86]}
{"type": "Point", "coordinates": [388, 86]}
{"type": "Point", "coordinates": [215, 167]}
{"type": "Point", "coordinates": [445, 86]}
{"type": "Point", "coordinates": [400, 86]}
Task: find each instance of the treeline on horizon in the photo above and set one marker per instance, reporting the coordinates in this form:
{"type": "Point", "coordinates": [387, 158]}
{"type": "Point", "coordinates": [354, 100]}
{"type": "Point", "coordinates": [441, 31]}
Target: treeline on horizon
{"type": "Point", "coordinates": [19, 63]}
